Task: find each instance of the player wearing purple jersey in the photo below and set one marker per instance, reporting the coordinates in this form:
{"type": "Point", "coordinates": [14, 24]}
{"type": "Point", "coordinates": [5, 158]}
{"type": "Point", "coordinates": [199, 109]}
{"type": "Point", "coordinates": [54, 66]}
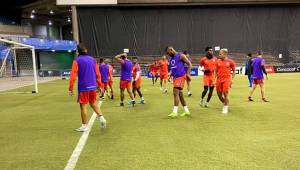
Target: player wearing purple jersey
{"type": "Point", "coordinates": [258, 71]}
{"type": "Point", "coordinates": [125, 79]}
{"type": "Point", "coordinates": [104, 71]}
{"type": "Point", "coordinates": [177, 61]}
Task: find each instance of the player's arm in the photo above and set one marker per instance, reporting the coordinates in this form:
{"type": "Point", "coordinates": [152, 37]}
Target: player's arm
{"type": "Point", "coordinates": [264, 69]}
{"type": "Point", "coordinates": [98, 76]}
{"type": "Point", "coordinates": [185, 59]}
{"type": "Point", "coordinates": [232, 65]}
{"type": "Point", "coordinates": [119, 58]}
{"type": "Point", "coordinates": [73, 77]}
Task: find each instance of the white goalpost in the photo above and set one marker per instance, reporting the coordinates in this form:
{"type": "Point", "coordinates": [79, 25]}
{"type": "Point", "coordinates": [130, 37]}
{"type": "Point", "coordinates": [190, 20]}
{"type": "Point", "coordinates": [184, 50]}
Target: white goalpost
{"type": "Point", "coordinates": [17, 66]}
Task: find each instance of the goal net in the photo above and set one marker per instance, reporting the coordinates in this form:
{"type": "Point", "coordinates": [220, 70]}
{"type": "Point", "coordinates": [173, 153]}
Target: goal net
{"type": "Point", "coordinates": [18, 72]}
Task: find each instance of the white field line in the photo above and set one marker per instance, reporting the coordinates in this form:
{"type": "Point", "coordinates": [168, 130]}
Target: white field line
{"type": "Point", "coordinates": [81, 143]}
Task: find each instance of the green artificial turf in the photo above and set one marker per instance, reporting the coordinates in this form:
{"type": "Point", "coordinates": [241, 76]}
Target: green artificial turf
{"type": "Point", "coordinates": [37, 130]}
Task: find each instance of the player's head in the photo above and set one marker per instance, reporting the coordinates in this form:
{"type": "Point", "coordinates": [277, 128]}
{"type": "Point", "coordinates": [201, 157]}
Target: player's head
{"type": "Point", "coordinates": [249, 55]}
{"type": "Point", "coordinates": [134, 60]}
{"type": "Point", "coordinates": [259, 53]}
{"type": "Point", "coordinates": [185, 52]}
{"type": "Point", "coordinates": [81, 49]}
{"type": "Point", "coordinates": [164, 57]}
{"type": "Point", "coordinates": [209, 52]}
{"type": "Point", "coordinates": [124, 56]}
{"type": "Point", "coordinates": [223, 53]}
{"type": "Point", "coordinates": [170, 51]}
{"type": "Point", "coordinates": [101, 60]}
{"type": "Point", "coordinates": [106, 61]}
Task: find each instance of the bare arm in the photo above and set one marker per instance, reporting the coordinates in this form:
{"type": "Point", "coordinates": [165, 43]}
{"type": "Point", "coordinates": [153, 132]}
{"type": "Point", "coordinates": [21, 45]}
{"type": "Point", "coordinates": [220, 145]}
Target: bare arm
{"type": "Point", "coordinates": [185, 59]}
{"type": "Point", "coordinates": [119, 57]}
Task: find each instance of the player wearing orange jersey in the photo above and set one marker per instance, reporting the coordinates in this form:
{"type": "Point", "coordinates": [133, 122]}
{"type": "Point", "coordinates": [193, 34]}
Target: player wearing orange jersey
{"type": "Point", "coordinates": [225, 71]}
{"type": "Point", "coordinates": [163, 71]}
{"type": "Point", "coordinates": [110, 79]}
{"type": "Point", "coordinates": [153, 69]}
{"type": "Point", "coordinates": [137, 79]}
{"type": "Point", "coordinates": [208, 62]}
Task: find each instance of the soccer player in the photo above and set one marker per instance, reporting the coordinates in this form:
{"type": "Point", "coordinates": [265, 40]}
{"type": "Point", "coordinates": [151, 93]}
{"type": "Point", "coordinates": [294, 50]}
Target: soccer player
{"type": "Point", "coordinates": [153, 69]}
{"type": "Point", "coordinates": [110, 78]}
{"type": "Point", "coordinates": [225, 70]}
{"type": "Point", "coordinates": [258, 66]}
{"type": "Point", "coordinates": [125, 78]}
{"type": "Point", "coordinates": [137, 80]}
{"type": "Point", "coordinates": [104, 71]}
{"type": "Point", "coordinates": [163, 69]}
{"type": "Point", "coordinates": [177, 62]}
{"type": "Point", "coordinates": [248, 70]}
{"type": "Point", "coordinates": [89, 80]}
{"type": "Point", "coordinates": [188, 80]}
{"type": "Point", "coordinates": [209, 64]}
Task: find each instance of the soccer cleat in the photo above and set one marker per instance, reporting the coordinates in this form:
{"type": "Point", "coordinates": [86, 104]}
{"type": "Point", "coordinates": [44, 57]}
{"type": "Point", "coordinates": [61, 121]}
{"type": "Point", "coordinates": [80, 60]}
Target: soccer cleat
{"type": "Point", "coordinates": [122, 104]}
{"type": "Point", "coordinates": [112, 97]}
{"type": "Point", "coordinates": [250, 99]}
{"type": "Point", "coordinates": [165, 91]}
{"type": "Point", "coordinates": [206, 104]}
{"type": "Point", "coordinates": [173, 115]}
{"type": "Point", "coordinates": [189, 94]}
{"type": "Point", "coordinates": [82, 128]}
{"type": "Point", "coordinates": [102, 122]}
{"type": "Point", "coordinates": [132, 102]}
{"type": "Point", "coordinates": [142, 102]}
{"type": "Point", "coordinates": [185, 114]}
{"type": "Point", "coordinates": [265, 100]}
{"type": "Point", "coordinates": [225, 110]}
{"type": "Point", "coordinates": [201, 103]}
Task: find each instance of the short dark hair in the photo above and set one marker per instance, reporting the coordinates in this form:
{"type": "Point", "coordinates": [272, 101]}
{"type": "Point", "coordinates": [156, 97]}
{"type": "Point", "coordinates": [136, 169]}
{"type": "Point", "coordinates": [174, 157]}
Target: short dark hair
{"type": "Point", "coordinates": [134, 58]}
{"type": "Point", "coordinates": [185, 52]}
{"type": "Point", "coordinates": [101, 60]}
{"type": "Point", "coordinates": [259, 52]}
{"type": "Point", "coordinates": [249, 54]}
{"type": "Point", "coordinates": [81, 48]}
{"type": "Point", "coordinates": [207, 48]}
{"type": "Point", "coordinates": [166, 49]}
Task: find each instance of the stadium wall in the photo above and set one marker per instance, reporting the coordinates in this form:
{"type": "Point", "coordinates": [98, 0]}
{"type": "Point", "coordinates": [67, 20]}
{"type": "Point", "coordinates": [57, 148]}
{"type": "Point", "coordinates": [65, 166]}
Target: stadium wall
{"type": "Point", "coordinates": [148, 30]}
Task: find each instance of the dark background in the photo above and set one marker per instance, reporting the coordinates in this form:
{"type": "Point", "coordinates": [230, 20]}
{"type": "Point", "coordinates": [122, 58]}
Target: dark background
{"type": "Point", "coordinates": [148, 30]}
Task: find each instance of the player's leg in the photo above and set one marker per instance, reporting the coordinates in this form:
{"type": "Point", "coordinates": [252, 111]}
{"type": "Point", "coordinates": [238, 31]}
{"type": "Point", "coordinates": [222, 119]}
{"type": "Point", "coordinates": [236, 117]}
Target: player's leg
{"type": "Point", "coordinates": [156, 77]}
{"type": "Point", "coordinates": [128, 88]}
{"type": "Point", "coordinates": [188, 82]}
{"type": "Point", "coordinates": [251, 92]}
{"type": "Point", "coordinates": [83, 114]}
{"type": "Point", "coordinates": [226, 102]}
{"type": "Point", "coordinates": [210, 93]}
{"type": "Point", "coordinates": [176, 102]}
{"type": "Point", "coordinates": [262, 91]}
{"type": "Point", "coordinates": [183, 103]}
{"type": "Point", "coordinates": [250, 80]}
{"type": "Point", "coordinates": [97, 110]}
{"type": "Point", "coordinates": [110, 83]}
{"type": "Point", "coordinates": [205, 89]}
{"type": "Point", "coordinates": [122, 96]}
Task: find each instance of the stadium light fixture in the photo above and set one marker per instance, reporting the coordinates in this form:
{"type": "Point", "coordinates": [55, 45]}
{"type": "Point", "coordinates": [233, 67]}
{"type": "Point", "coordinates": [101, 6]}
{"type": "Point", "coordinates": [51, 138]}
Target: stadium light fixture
{"type": "Point", "coordinates": [50, 23]}
{"type": "Point", "coordinates": [51, 12]}
{"type": "Point", "coordinates": [32, 16]}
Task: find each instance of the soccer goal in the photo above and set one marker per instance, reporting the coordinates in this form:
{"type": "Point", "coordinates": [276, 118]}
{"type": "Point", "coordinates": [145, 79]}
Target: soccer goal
{"type": "Point", "coordinates": [17, 67]}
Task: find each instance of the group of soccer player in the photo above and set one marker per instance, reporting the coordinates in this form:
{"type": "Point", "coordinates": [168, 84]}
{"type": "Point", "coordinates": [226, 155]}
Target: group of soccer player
{"type": "Point", "coordinates": [93, 77]}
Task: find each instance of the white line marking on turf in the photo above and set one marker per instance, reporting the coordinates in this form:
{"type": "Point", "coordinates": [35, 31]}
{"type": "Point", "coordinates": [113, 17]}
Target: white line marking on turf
{"type": "Point", "coordinates": [80, 145]}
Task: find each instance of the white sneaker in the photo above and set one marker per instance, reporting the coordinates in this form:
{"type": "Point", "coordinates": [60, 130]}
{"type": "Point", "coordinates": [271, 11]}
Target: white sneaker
{"type": "Point", "coordinates": [102, 122]}
{"type": "Point", "coordinates": [160, 89]}
{"type": "Point", "coordinates": [206, 104]}
{"type": "Point", "coordinates": [225, 110]}
{"type": "Point", "coordinates": [201, 103]}
{"type": "Point", "coordinates": [165, 91]}
{"type": "Point", "coordinates": [83, 128]}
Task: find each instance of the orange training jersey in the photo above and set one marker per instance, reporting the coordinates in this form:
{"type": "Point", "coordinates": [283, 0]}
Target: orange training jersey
{"type": "Point", "coordinates": [224, 68]}
{"type": "Point", "coordinates": [153, 67]}
{"type": "Point", "coordinates": [136, 68]}
{"type": "Point", "coordinates": [163, 65]}
{"type": "Point", "coordinates": [209, 64]}
{"type": "Point", "coordinates": [110, 73]}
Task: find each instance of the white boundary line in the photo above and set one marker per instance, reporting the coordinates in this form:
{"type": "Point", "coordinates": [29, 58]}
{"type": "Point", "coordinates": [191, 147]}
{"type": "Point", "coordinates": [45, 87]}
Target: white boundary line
{"type": "Point", "coordinates": [80, 145]}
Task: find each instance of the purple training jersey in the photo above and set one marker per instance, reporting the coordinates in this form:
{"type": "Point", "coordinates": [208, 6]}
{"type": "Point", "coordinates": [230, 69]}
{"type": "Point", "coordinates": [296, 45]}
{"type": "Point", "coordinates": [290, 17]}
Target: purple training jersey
{"type": "Point", "coordinates": [126, 70]}
{"type": "Point", "coordinates": [177, 66]}
{"type": "Point", "coordinates": [257, 66]}
{"type": "Point", "coordinates": [86, 73]}
{"type": "Point", "coordinates": [104, 71]}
